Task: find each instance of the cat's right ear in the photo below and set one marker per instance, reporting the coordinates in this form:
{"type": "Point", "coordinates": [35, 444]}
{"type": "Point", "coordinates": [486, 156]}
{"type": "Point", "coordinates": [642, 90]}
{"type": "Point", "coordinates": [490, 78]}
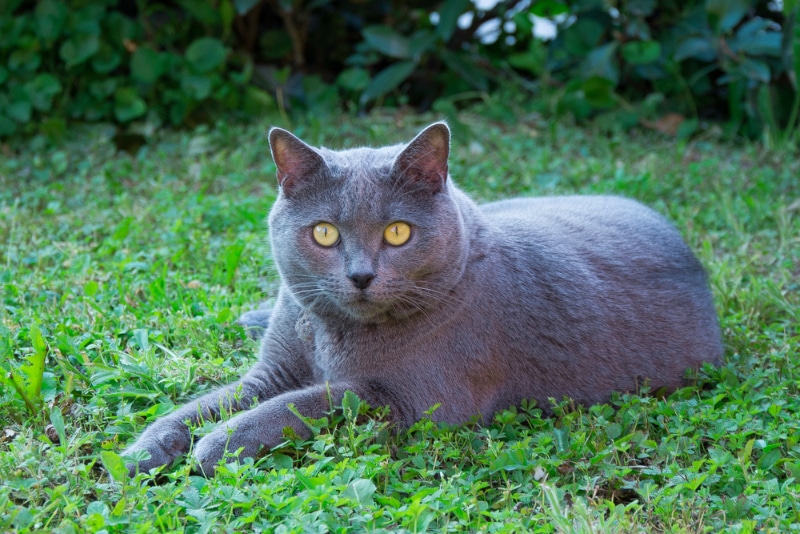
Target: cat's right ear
{"type": "Point", "coordinates": [294, 159]}
{"type": "Point", "coordinates": [424, 160]}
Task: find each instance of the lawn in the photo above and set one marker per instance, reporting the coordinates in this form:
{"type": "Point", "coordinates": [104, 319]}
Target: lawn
{"type": "Point", "coordinates": [124, 274]}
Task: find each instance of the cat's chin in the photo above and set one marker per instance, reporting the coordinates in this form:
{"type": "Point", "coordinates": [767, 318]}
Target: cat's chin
{"type": "Point", "coordinates": [366, 311]}
{"type": "Point", "coordinates": [373, 311]}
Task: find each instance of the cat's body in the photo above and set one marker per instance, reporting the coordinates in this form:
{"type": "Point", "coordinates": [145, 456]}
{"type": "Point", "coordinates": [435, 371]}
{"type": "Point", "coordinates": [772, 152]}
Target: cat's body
{"type": "Point", "coordinates": [475, 310]}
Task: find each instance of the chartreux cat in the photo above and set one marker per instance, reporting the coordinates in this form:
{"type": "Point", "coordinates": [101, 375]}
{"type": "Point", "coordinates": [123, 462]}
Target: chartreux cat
{"type": "Point", "coordinates": [398, 287]}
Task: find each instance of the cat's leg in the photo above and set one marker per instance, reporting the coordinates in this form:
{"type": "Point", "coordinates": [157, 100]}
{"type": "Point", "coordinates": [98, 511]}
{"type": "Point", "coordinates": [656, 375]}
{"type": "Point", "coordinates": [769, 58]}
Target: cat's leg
{"type": "Point", "coordinates": [283, 367]}
{"type": "Point", "coordinates": [170, 436]}
{"type": "Point", "coordinates": [255, 322]}
{"type": "Point", "coordinates": [262, 426]}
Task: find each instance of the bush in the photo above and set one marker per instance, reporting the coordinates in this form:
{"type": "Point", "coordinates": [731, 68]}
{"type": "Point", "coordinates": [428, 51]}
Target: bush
{"type": "Point", "coordinates": [178, 62]}
{"type": "Point", "coordinates": [92, 61]}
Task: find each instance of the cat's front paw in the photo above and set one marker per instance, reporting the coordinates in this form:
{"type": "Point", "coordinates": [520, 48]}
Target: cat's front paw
{"type": "Point", "coordinates": [225, 439]}
{"type": "Point", "coordinates": [164, 441]}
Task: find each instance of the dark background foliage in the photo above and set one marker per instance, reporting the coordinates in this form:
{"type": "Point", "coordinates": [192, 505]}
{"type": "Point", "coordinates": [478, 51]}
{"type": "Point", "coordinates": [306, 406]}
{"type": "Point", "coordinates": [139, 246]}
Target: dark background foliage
{"type": "Point", "coordinates": [143, 64]}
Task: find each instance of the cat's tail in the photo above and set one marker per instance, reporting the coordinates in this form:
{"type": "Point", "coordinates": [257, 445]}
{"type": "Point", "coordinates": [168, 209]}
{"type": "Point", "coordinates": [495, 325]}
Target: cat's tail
{"type": "Point", "coordinates": [255, 322]}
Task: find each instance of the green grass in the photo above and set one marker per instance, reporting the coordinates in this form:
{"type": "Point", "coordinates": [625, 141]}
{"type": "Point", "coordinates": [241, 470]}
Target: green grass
{"type": "Point", "coordinates": [124, 274]}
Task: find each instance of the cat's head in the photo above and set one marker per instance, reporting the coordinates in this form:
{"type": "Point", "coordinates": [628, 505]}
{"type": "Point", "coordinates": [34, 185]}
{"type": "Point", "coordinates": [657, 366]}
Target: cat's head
{"type": "Point", "coordinates": [367, 234]}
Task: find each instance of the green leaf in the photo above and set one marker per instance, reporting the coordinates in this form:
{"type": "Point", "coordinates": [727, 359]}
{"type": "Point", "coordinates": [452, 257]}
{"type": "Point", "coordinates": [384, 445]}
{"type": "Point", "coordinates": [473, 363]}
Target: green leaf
{"type": "Point", "coordinates": [3, 74]}
{"type": "Point", "coordinates": [601, 63]}
{"type": "Point", "coordinates": [613, 430]}
{"type": "Point", "coordinates": [724, 15]}
{"type": "Point", "coordinates": [524, 24]}
{"type": "Point", "coordinates": [147, 65]}
{"type": "Point", "coordinates": [387, 80]}
{"type": "Point", "coordinates": [91, 288]}
{"type": "Point", "coordinates": [203, 12]}
{"type": "Point", "coordinates": [24, 61]}
{"type": "Point", "coordinates": [761, 44]}
{"type": "Point", "coordinates": [361, 491]}
{"type": "Point", "coordinates": [534, 60]}
{"type": "Point", "coordinates": [121, 27]}
{"type": "Point", "coordinates": [561, 436]}
{"type": "Point", "coordinates": [115, 465]}
{"type": "Point", "coordinates": [700, 48]}
{"type": "Point", "coordinates": [695, 482]}
{"type": "Point", "coordinates": [753, 27]}
{"type": "Point", "coordinates": [387, 41]}
{"type": "Point", "coordinates": [420, 43]}
{"type": "Point", "coordinates": [464, 66]}
{"type": "Point", "coordinates": [206, 54]}
{"type": "Point", "coordinates": [448, 17]}
{"type": "Point", "coordinates": [57, 420]}
{"type": "Point", "coordinates": [549, 8]}
{"type": "Point", "coordinates": [353, 79]}
{"type": "Point", "coordinates": [755, 70]}
{"type": "Point", "coordinates": [599, 92]}
{"type": "Point", "coordinates": [7, 126]}
{"type": "Point", "coordinates": [50, 16]}
{"type": "Point", "coordinates": [196, 86]}
{"type": "Point", "coordinates": [257, 101]}
{"type": "Point", "coordinates": [227, 14]}
{"type": "Point", "coordinates": [104, 88]}
{"type": "Point", "coordinates": [19, 110]}
{"type": "Point", "coordinates": [281, 461]}
{"type": "Point", "coordinates": [42, 89]}
{"type": "Point", "coordinates": [33, 369]}
{"type": "Point", "coordinates": [583, 36]}
{"type": "Point", "coordinates": [141, 335]}
{"type": "Point", "coordinates": [106, 59]}
{"type": "Point", "coordinates": [769, 459]}
{"type": "Point", "coordinates": [79, 48]}
{"type": "Point", "coordinates": [128, 105]}
{"type": "Point", "coordinates": [351, 404]}
{"type": "Point", "coordinates": [642, 8]}
{"type": "Point", "coordinates": [641, 52]}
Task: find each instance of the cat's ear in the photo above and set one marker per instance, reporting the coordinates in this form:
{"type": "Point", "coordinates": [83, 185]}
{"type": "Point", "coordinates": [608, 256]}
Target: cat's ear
{"type": "Point", "coordinates": [424, 160]}
{"type": "Point", "coordinates": [295, 159]}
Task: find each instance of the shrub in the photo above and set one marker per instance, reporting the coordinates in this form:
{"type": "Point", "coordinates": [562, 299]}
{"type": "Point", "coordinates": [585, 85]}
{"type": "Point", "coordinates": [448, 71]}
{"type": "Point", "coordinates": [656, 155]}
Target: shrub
{"type": "Point", "coordinates": [177, 62]}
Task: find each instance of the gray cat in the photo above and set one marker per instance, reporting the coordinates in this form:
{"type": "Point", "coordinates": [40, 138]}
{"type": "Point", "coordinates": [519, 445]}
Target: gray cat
{"type": "Point", "coordinates": [398, 287]}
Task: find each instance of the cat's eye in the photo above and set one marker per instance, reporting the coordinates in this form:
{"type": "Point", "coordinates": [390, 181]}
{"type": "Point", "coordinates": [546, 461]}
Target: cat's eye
{"type": "Point", "coordinates": [397, 233]}
{"type": "Point", "coordinates": [325, 234]}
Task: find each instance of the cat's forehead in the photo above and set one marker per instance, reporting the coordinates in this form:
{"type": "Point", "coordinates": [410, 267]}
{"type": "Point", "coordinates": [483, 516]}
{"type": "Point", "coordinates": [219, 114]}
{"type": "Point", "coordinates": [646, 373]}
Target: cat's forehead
{"type": "Point", "coordinates": [361, 162]}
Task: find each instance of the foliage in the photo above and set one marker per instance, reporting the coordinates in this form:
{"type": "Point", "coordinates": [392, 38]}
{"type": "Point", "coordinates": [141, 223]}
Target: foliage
{"type": "Point", "coordinates": [91, 61]}
{"type": "Point", "coordinates": [159, 62]}
{"type": "Point", "coordinates": [133, 268]}
{"type": "Point", "coordinates": [716, 59]}
{"type": "Point", "coordinates": [712, 59]}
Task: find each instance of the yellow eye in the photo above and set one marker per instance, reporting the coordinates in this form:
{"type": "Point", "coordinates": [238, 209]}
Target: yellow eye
{"type": "Point", "coordinates": [326, 234]}
{"type": "Point", "coordinates": [397, 233]}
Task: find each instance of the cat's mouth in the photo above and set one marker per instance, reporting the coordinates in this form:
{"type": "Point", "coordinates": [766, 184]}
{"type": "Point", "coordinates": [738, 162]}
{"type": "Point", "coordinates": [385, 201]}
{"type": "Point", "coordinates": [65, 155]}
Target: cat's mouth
{"type": "Point", "coordinates": [365, 306]}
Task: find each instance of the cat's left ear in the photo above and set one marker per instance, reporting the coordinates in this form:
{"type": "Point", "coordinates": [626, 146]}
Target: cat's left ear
{"type": "Point", "coordinates": [424, 160]}
{"type": "Point", "coordinates": [295, 159]}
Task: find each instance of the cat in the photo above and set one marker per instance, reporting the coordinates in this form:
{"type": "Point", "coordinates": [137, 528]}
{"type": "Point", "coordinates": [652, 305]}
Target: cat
{"type": "Point", "coordinates": [397, 286]}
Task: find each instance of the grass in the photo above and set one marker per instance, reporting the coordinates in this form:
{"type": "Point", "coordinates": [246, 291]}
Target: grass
{"type": "Point", "coordinates": [121, 277]}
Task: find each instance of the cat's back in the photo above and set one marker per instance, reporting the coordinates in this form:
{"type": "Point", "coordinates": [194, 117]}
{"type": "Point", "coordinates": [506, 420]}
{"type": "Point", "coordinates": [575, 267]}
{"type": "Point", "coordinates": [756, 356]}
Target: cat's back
{"type": "Point", "coordinates": [604, 289]}
{"type": "Point", "coordinates": [589, 217]}
{"type": "Point", "coordinates": [617, 232]}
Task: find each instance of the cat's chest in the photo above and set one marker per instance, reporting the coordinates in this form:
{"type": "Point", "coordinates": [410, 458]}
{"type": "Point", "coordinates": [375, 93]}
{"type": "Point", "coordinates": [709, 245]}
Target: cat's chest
{"type": "Point", "coordinates": [341, 352]}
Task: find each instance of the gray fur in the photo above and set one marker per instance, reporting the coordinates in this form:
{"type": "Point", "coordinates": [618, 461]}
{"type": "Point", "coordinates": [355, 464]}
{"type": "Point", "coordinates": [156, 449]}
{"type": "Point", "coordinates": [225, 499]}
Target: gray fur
{"type": "Point", "coordinates": [485, 306]}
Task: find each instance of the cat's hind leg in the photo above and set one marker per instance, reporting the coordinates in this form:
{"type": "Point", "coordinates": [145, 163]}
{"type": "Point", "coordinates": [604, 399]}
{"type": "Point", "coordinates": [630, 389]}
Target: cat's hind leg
{"type": "Point", "coordinates": [255, 322]}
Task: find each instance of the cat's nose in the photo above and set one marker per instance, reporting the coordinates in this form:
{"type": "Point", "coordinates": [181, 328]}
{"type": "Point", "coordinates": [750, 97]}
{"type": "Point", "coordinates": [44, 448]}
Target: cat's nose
{"type": "Point", "coordinates": [361, 280]}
